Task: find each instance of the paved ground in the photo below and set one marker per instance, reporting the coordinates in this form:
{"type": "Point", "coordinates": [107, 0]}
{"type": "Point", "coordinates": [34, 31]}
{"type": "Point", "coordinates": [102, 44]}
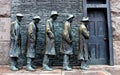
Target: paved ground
{"type": "Point", "coordinates": [94, 70]}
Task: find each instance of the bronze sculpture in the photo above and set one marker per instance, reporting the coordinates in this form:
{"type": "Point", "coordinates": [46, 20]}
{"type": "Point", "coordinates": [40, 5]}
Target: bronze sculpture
{"type": "Point", "coordinates": [50, 40]}
{"type": "Point", "coordinates": [31, 42]}
{"type": "Point", "coordinates": [83, 53]}
{"type": "Point", "coordinates": [65, 48]}
{"type": "Point", "coordinates": [66, 44]}
{"type": "Point", "coordinates": [15, 44]}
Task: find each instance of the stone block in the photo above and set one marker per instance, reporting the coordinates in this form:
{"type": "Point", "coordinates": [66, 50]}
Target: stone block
{"type": "Point", "coordinates": [4, 51]}
{"type": "Point", "coordinates": [116, 48]}
{"type": "Point", "coordinates": [5, 6]}
{"type": "Point", "coordinates": [5, 29]}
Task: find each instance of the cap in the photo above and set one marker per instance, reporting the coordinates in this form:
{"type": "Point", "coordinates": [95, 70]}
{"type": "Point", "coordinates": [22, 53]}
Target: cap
{"type": "Point", "coordinates": [85, 19]}
{"type": "Point", "coordinates": [36, 17]}
{"type": "Point", "coordinates": [70, 16]}
{"type": "Point", "coordinates": [54, 13]}
{"type": "Point", "coordinates": [19, 15]}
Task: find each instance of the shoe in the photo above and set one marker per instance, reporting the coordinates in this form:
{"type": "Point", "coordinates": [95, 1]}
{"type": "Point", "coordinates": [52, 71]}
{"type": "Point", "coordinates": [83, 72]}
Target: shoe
{"type": "Point", "coordinates": [13, 65]}
{"type": "Point", "coordinates": [14, 68]}
{"type": "Point", "coordinates": [29, 68]}
{"type": "Point", "coordinates": [83, 67]}
{"type": "Point", "coordinates": [67, 68]}
{"type": "Point", "coordinates": [29, 65]}
{"type": "Point", "coordinates": [34, 66]}
{"type": "Point", "coordinates": [87, 66]}
{"type": "Point", "coordinates": [47, 68]}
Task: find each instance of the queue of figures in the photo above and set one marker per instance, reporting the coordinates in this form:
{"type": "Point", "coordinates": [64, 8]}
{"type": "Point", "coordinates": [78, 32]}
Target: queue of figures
{"type": "Point", "coordinates": [66, 46]}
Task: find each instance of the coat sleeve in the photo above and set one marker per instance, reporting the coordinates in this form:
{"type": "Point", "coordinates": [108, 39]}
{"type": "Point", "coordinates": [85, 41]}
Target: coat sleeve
{"type": "Point", "coordinates": [15, 32]}
{"type": "Point", "coordinates": [85, 32]}
{"type": "Point", "coordinates": [48, 30]}
{"type": "Point", "coordinates": [12, 33]}
{"type": "Point", "coordinates": [31, 33]}
{"type": "Point", "coordinates": [66, 33]}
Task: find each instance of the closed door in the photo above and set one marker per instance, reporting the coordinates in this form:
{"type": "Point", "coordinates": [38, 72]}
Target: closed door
{"type": "Point", "coordinates": [98, 44]}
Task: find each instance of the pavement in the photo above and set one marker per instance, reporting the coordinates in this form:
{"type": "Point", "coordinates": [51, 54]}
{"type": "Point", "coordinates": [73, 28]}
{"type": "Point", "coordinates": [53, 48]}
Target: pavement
{"type": "Point", "coordinates": [93, 70]}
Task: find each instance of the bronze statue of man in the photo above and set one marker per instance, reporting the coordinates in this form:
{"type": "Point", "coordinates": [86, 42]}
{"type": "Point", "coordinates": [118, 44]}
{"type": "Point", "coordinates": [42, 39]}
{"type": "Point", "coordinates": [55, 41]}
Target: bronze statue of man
{"type": "Point", "coordinates": [15, 44]}
{"type": "Point", "coordinates": [31, 42]}
{"type": "Point", "coordinates": [50, 40]}
{"type": "Point", "coordinates": [66, 44]}
{"type": "Point", "coordinates": [83, 53]}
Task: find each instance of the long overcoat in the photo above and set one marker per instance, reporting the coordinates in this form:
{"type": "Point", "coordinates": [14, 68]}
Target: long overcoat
{"type": "Point", "coordinates": [66, 44]}
{"type": "Point", "coordinates": [15, 44]}
{"type": "Point", "coordinates": [83, 52]}
{"type": "Point", "coordinates": [31, 40]}
{"type": "Point", "coordinates": [50, 39]}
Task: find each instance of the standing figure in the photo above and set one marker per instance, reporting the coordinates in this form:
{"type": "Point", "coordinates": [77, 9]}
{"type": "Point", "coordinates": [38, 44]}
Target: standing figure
{"type": "Point", "coordinates": [66, 44]}
{"type": "Point", "coordinates": [83, 53]}
{"type": "Point", "coordinates": [50, 40]}
{"type": "Point", "coordinates": [31, 42]}
{"type": "Point", "coordinates": [15, 44]}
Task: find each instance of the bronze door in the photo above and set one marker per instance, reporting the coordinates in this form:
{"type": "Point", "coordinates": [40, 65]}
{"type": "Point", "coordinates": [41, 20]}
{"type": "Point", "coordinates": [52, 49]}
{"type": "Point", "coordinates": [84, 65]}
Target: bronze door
{"type": "Point", "coordinates": [98, 44]}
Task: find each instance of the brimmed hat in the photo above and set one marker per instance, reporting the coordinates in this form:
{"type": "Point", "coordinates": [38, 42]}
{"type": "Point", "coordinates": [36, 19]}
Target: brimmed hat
{"type": "Point", "coordinates": [19, 15]}
{"type": "Point", "coordinates": [36, 17]}
{"type": "Point", "coordinates": [70, 16]}
{"type": "Point", "coordinates": [54, 13]}
{"type": "Point", "coordinates": [85, 19]}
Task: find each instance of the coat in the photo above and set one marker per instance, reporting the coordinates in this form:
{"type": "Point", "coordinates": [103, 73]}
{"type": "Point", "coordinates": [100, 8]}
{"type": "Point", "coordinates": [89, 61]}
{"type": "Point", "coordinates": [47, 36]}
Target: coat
{"type": "Point", "coordinates": [15, 44]}
{"type": "Point", "coordinates": [31, 40]}
{"type": "Point", "coordinates": [50, 39]}
{"type": "Point", "coordinates": [83, 53]}
{"type": "Point", "coordinates": [66, 44]}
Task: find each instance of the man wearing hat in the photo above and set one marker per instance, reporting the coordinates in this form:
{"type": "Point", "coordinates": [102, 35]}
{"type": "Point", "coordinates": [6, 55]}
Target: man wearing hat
{"type": "Point", "coordinates": [15, 44]}
{"type": "Point", "coordinates": [50, 40]}
{"type": "Point", "coordinates": [66, 44]}
{"type": "Point", "coordinates": [31, 42]}
{"type": "Point", "coordinates": [83, 53]}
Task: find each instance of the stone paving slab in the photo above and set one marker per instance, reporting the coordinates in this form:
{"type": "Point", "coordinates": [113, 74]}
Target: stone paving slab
{"type": "Point", "coordinates": [94, 70]}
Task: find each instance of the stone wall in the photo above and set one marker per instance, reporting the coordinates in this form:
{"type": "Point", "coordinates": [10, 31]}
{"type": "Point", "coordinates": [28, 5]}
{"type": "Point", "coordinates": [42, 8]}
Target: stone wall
{"type": "Point", "coordinates": [43, 8]}
{"type": "Point", "coordinates": [115, 12]}
{"type": "Point", "coordinates": [4, 30]}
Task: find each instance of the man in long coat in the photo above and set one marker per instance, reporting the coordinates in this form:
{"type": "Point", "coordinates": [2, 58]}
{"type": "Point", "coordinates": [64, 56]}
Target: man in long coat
{"type": "Point", "coordinates": [31, 42]}
{"type": "Point", "coordinates": [15, 44]}
{"type": "Point", "coordinates": [66, 44]}
{"type": "Point", "coordinates": [50, 40]}
{"type": "Point", "coordinates": [83, 53]}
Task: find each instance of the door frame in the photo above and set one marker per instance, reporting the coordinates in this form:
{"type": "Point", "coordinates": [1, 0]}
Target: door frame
{"type": "Point", "coordinates": [109, 26]}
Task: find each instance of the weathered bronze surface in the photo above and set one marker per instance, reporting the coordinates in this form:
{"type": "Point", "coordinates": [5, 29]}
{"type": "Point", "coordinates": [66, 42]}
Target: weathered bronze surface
{"type": "Point", "coordinates": [66, 44]}
{"type": "Point", "coordinates": [50, 40]}
{"type": "Point", "coordinates": [31, 43]}
{"type": "Point", "coordinates": [66, 47]}
{"type": "Point", "coordinates": [83, 52]}
{"type": "Point", "coordinates": [15, 44]}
